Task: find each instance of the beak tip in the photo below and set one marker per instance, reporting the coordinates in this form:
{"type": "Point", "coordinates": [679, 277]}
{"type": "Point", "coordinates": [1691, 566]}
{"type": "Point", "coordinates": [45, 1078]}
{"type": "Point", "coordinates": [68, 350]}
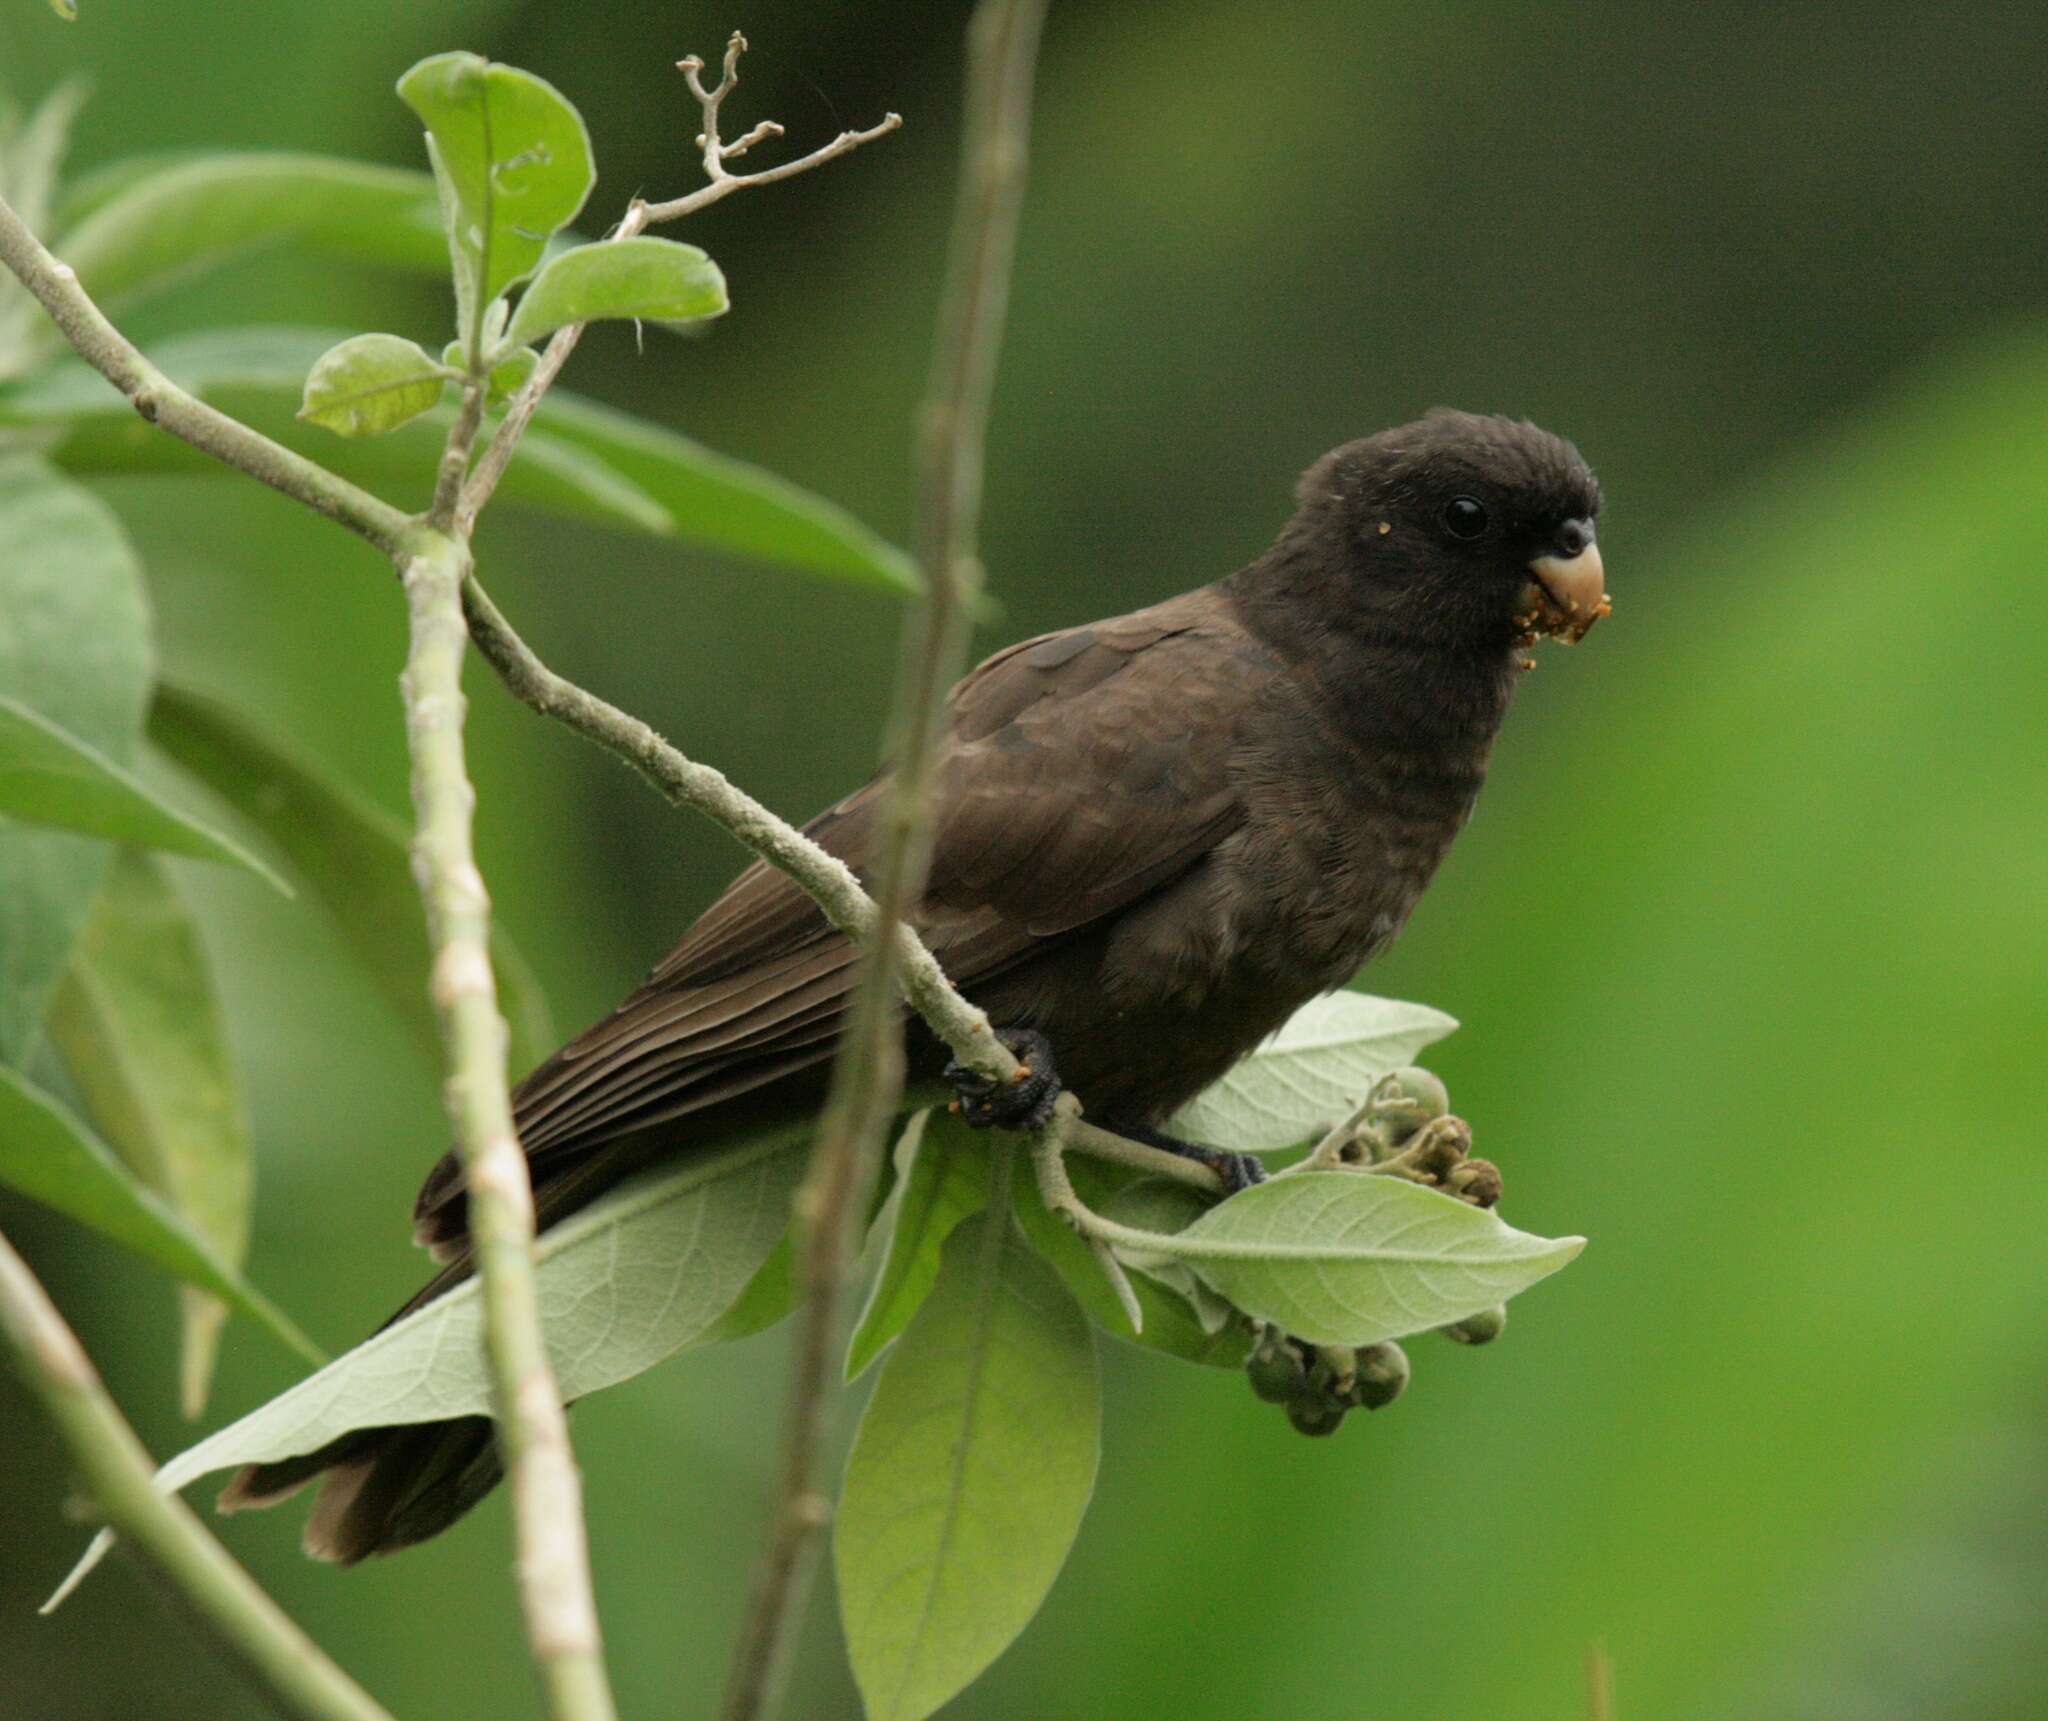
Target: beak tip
{"type": "Point", "coordinates": [1571, 593]}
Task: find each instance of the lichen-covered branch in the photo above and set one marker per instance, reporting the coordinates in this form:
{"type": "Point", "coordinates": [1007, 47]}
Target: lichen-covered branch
{"type": "Point", "coordinates": [532, 1427]}
{"type": "Point", "coordinates": [118, 1472]}
{"type": "Point", "coordinates": [163, 403]}
{"type": "Point", "coordinates": [641, 215]}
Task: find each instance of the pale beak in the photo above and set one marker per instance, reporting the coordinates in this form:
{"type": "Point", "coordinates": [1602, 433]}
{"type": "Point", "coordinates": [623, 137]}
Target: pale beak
{"type": "Point", "coordinates": [1567, 595]}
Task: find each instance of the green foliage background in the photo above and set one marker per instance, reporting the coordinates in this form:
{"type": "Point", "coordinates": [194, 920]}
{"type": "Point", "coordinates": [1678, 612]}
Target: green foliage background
{"type": "Point", "coordinates": [1749, 939]}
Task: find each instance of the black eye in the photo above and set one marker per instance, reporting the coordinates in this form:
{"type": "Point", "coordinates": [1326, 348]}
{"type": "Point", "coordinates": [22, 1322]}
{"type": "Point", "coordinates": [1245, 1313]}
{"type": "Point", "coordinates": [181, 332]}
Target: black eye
{"type": "Point", "coordinates": [1464, 516]}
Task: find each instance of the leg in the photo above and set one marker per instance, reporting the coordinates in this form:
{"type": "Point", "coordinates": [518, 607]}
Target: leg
{"type": "Point", "coordinates": [1237, 1170]}
{"type": "Point", "coordinates": [1022, 1104]}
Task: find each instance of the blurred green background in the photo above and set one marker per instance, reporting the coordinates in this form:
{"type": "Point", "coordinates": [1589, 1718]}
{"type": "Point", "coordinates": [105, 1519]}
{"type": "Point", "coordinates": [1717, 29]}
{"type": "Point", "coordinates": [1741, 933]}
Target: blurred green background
{"type": "Point", "coordinates": [1750, 938]}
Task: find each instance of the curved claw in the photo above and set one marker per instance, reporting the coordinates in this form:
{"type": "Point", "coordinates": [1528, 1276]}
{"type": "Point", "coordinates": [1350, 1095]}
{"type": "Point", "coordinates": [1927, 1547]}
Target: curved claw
{"type": "Point", "coordinates": [1023, 1103]}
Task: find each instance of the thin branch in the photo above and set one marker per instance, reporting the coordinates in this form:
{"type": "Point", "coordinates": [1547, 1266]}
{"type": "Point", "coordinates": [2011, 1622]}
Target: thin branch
{"type": "Point", "coordinates": [455, 454]}
{"type": "Point", "coordinates": [704, 789]}
{"type": "Point", "coordinates": [639, 216]}
{"type": "Point", "coordinates": [532, 1427]}
{"type": "Point", "coordinates": [163, 403]}
{"type": "Point", "coordinates": [867, 1076]}
{"type": "Point", "coordinates": [284, 1662]}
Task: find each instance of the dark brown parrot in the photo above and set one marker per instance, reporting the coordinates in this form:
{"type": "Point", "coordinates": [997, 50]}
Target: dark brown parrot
{"type": "Point", "coordinates": [1155, 838]}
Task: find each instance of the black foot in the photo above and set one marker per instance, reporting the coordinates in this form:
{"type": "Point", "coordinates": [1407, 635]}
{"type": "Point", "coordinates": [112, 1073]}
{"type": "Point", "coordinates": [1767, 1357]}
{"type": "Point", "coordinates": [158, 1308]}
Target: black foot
{"type": "Point", "coordinates": [1236, 1170]}
{"type": "Point", "coordinates": [1024, 1103]}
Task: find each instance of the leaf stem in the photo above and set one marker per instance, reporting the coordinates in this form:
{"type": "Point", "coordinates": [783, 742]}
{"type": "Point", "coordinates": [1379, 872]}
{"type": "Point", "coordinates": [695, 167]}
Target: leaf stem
{"type": "Point", "coordinates": [867, 1076]}
{"type": "Point", "coordinates": [163, 403]}
{"type": "Point", "coordinates": [532, 1427]}
{"type": "Point", "coordinates": [52, 1364]}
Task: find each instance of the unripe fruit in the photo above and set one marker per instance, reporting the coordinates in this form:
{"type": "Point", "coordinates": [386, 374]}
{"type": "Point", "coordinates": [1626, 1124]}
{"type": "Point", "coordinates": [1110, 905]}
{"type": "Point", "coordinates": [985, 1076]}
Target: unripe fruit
{"type": "Point", "coordinates": [1316, 1417]}
{"type": "Point", "coordinates": [1405, 1100]}
{"type": "Point", "coordinates": [1276, 1370]}
{"type": "Point", "coordinates": [1382, 1376]}
{"type": "Point", "coordinates": [1480, 1329]}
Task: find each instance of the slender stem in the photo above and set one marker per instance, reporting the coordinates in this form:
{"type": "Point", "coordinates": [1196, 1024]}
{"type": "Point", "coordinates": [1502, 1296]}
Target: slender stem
{"type": "Point", "coordinates": [163, 403]}
{"type": "Point", "coordinates": [639, 216]}
{"type": "Point", "coordinates": [687, 783]}
{"type": "Point", "coordinates": [455, 455]}
{"type": "Point", "coordinates": [868, 1072]}
{"type": "Point", "coordinates": [52, 1364]}
{"type": "Point", "coordinates": [1097, 1143]}
{"type": "Point", "coordinates": [532, 1427]}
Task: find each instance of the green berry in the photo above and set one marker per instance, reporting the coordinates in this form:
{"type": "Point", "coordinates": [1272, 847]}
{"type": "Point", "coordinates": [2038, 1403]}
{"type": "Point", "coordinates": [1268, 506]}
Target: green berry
{"type": "Point", "coordinates": [1382, 1376]}
{"type": "Point", "coordinates": [1480, 1329]}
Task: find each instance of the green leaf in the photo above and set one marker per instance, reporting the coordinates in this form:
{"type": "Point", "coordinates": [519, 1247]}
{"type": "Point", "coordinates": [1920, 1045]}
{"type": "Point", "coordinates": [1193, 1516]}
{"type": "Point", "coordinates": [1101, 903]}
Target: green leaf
{"type": "Point", "coordinates": [580, 459]}
{"type": "Point", "coordinates": [514, 160]}
{"type": "Point", "coordinates": [74, 648]}
{"type": "Point", "coordinates": [50, 778]}
{"type": "Point", "coordinates": [655, 279]}
{"type": "Point", "coordinates": [350, 856]}
{"type": "Point", "coordinates": [50, 1156]}
{"type": "Point", "coordinates": [727, 504]}
{"type": "Point", "coordinates": [1311, 1073]}
{"type": "Point", "coordinates": [969, 1476]}
{"type": "Point", "coordinates": [32, 149]}
{"type": "Point", "coordinates": [941, 1178]}
{"type": "Point", "coordinates": [769, 1296]}
{"type": "Point", "coordinates": [1160, 1205]}
{"type": "Point", "coordinates": [643, 1273]}
{"type": "Point", "coordinates": [370, 384]}
{"type": "Point", "coordinates": [138, 1025]}
{"type": "Point", "coordinates": [169, 218]}
{"type": "Point", "coordinates": [1172, 1326]}
{"type": "Point", "coordinates": [1351, 1258]}
{"type": "Point", "coordinates": [508, 375]}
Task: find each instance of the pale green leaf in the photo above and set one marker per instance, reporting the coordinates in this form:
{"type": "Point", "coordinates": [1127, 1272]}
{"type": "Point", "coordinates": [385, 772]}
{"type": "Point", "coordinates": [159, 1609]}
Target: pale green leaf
{"type": "Point", "coordinates": [1311, 1073]}
{"type": "Point", "coordinates": [1172, 1325]}
{"type": "Point", "coordinates": [1158, 1204]}
{"type": "Point", "coordinates": [74, 648]}
{"type": "Point", "coordinates": [657, 280]}
{"type": "Point", "coordinates": [50, 778]}
{"type": "Point", "coordinates": [50, 1156]}
{"type": "Point", "coordinates": [1352, 1258]}
{"type": "Point", "coordinates": [32, 148]}
{"type": "Point", "coordinates": [941, 1177]}
{"type": "Point", "coordinates": [769, 1296]}
{"type": "Point", "coordinates": [350, 856]}
{"type": "Point", "coordinates": [644, 1272]}
{"type": "Point", "coordinates": [138, 1025]}
{"type": "Point", "coordinates": [969, 1476]}
{"type": "Point", "coordinates": [515, 160]}
{"type": "Point", "coordinates": [31, 151]}
{"type": "Point", "coordinates": [370, 384]}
